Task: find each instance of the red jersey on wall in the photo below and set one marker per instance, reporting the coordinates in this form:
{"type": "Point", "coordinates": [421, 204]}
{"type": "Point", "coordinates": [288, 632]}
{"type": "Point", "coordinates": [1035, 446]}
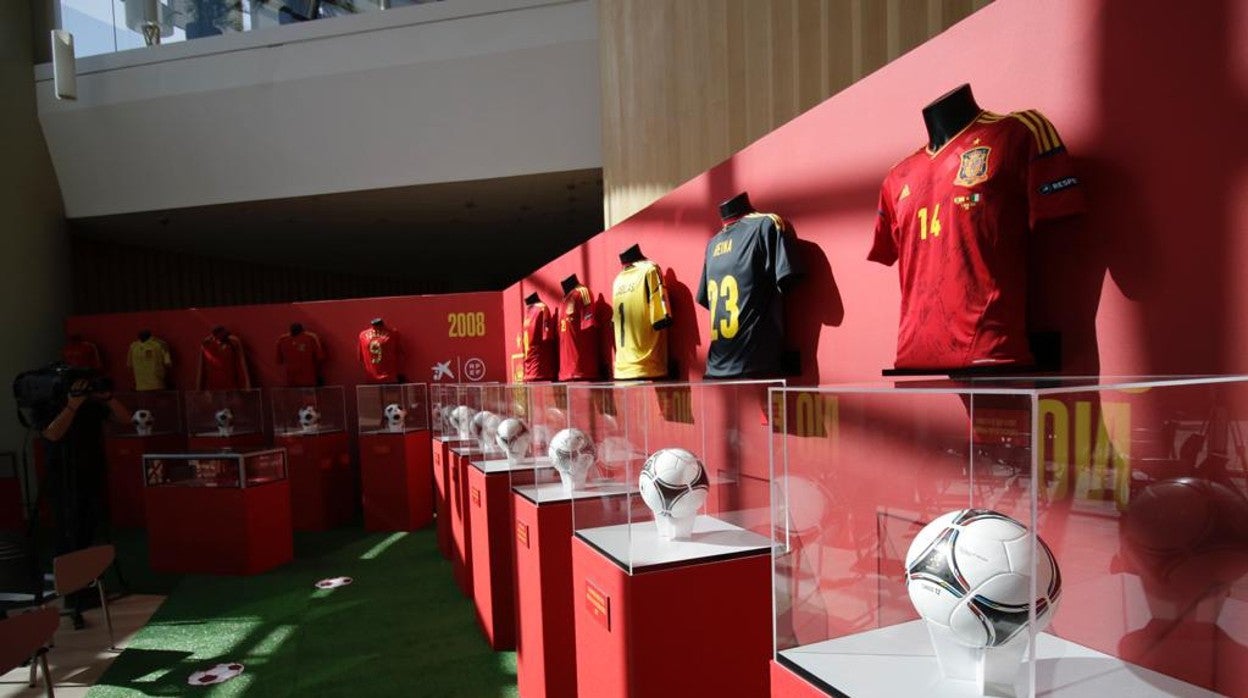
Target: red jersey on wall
{"type": "Point", "coordinates": [537, 341]}
{"type": "Point", "coordinates": [957, 221]}
{"type": "Point", "coordinates": [223, 364]}
{"type": "Point", "coordinates": [579, 337]}
{"type": "Point", "coordinates": [302, 355]}
{"type": "Point", "coordinates": [381, 354]}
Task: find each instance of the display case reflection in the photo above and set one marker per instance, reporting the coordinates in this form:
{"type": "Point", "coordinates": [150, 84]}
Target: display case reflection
{"type": "Point", "coordinates": [152, 413]}
{"type": "Point", "coordinates": [223, 470]}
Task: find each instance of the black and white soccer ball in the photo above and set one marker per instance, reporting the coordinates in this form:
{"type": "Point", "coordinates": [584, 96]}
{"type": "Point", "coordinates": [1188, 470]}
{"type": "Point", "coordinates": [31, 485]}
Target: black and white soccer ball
{"type": "Point", "coordinates": [969, 573]}
{"type": "Point", "coordinates": [395, 416]}
{"type": "Point", "coordinates": [674, 483]}
{"type": "Point", "coordinates": [476, 427]}
{"type": "Point", "coordinates": [224, 418]}
{"type": "Point", "coordinates": [215, 674]}
{"type": "Point", "coordinates": [461, 419]}
{"type": "Point", "coordinates": [309, 418]}
{"type": "Point", "coordinates": [514, 437]}
{"type": "Point", "coordinates": [144, 421]}
{"type": "Point", "coordinates": [572, 453]}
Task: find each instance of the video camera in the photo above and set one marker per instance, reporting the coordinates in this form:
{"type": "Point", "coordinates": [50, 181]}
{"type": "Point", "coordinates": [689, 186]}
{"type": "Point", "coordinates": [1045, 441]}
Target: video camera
{"type": "Point", "coordinates": [44, 391]}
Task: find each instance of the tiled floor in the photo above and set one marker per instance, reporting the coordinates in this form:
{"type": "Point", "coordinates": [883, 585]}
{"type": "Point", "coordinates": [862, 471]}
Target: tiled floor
{"type": "Point", "coordinates": [80, 657]}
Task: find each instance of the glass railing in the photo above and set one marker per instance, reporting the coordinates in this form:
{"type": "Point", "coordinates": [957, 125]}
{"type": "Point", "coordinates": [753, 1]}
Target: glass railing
{"type": "Point", "coordinates": [108, 26]}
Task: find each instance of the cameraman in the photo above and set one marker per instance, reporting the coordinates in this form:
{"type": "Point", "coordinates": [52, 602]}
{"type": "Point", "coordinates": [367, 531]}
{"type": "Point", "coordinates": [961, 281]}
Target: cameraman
{"type": "Point", "coordinates": [76, 469]}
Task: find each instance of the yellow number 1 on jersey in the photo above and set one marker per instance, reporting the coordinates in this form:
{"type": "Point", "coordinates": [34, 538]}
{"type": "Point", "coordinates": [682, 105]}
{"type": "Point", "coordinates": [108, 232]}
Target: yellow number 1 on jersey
{"type": "Point", "coordinates": [923, 228]}
{"type": "Point", "coordinates": [727, 289]}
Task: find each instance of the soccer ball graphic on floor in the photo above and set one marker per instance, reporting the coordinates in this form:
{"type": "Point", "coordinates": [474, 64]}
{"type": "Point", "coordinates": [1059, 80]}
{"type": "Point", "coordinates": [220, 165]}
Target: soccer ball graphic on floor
{"type": "Point", "coordinates": [572, 453]}
{"type": "Point", "coordinates": [968, 574]}
{"type": "Point", "coordinates": [674, 485]}
{"type": "Point", "coordinates": [395, 416]}
{"type": "Point", "coordinates": [143, 421]}
{"type": "Point", "coordinates": [514, 437]}
{"type": "Point", "coordinates": [309, 418]}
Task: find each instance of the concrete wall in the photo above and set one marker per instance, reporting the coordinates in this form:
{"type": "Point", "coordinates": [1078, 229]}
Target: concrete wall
{"type": "Point", "coordinates": [33, 249]}
{"type": "Point", "coordinates": [443, 92]}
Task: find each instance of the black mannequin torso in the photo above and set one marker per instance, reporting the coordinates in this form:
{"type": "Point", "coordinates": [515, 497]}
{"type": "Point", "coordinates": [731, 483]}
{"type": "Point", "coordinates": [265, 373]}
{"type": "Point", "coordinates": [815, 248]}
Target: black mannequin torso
{"type": "Point", "coordinates": [570, 283]}
{"type": "Point", "coordinates": [948, 115]}
{"type": "Point", "coordinates": [379, 325]}
{"type": "Point", "coordinates": [532, 299]}
{"type": "Point", "coordinates": [296, 329]}
{"type": "Point", "coordinates": [735, 207]}
{"type": "Point", "coordinates": [145, 335]}
{"type": "Point", "coordinates": [632, 255]}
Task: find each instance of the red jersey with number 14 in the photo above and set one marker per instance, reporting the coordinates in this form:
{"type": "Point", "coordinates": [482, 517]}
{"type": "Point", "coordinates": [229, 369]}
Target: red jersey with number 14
{"type": "Point", "coordinates": [380, 354]}
{"type": "Point", "coordinates": [957, 221]}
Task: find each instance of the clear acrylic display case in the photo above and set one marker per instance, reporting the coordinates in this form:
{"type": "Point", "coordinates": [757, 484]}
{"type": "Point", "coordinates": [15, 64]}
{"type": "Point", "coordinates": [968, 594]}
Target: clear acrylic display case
{"type": "Point", "coordinates": [470, 398]}
{"type": "Point", "coordinates": [1136, 486]}
{"type": "Point", "coordinates": [224, 412]}
{"type": "Point", "coordinates": [152, 413]}
{"type": "Point", "coordinates": [397, 408]}
{"type": "Point", "coordinates": [214, 470]}
{"type": "Point", "coordinates": [308, 410]}
{"type": "Point", "coordinates": [443, 397]}
{"type": "Point", "coordinates": [719, 515]}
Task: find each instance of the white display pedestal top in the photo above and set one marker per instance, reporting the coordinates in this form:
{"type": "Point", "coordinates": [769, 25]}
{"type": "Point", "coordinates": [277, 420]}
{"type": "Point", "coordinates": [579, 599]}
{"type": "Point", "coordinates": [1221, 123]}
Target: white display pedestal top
{"type": "Point", "coordinates": [637, 546]}
{"type": "Point", "coordinates": [503, 465]}
{"type": "Point", "coordinates": [550, 492]}
{"type": "Point", "coordinates": [899, 661]}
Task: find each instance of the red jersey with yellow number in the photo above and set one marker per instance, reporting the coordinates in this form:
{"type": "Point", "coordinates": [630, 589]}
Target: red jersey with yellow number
{"type": "Point", "coordinates": [579, 337]}
{"type": "Point", "coordinates": [956, 220]}
{"type": "Point", "coordinates": [380, 354]}
{"type": "Point", "coordinates": [538, 342]}
{"type": "Point", "coordinates": [302, 355]}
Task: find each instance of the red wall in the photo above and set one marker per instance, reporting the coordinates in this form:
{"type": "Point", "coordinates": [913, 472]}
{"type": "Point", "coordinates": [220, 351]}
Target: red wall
{"type": "Point", "coordinates": [422, 320]}
{"type": "Point", "coordinates": [1150, 98]}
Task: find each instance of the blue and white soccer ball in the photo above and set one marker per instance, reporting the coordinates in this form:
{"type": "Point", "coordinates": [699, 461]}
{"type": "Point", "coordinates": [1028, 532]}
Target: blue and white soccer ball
{"type": "Point", "coordinates": [572, 454]}
{"type": "Point", "coordinates": [309, 418]}
{"type": "Point", "coordinates": [675, 486]}
{"type": "Point", "coordinates": [514, 437]}
{"type": "Point", "coordinates": [395, 416]}
{"type": "Point", "coordinates": [968, 574]}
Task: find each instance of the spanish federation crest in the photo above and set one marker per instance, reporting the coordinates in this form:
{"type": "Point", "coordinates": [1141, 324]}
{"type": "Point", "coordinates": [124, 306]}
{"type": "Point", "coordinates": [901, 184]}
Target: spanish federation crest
{"type": "Point", "coordinates": [974, 168]}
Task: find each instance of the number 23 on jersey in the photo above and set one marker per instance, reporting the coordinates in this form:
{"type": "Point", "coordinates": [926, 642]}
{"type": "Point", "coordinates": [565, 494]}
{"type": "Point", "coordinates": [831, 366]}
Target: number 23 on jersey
{"type": "Point", "coordinates": [724, 326]}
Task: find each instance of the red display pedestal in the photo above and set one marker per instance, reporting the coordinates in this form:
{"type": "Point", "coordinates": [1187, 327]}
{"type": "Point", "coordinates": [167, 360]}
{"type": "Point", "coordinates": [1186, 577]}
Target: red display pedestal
{"type": "Point", "coordinates": [785, 683]}
{"type": "Point", "coordinates": [226, 530]}
{"type": "Point", "coordinates": [442, 459]}
{"type": "Point", "coordinates": [396, 488]}
{"type": "Point", "coordinates": [697, 626]}
{"type": "Point", "coordinates": [208, 442]}
{"type": "Point", "coordinates": [493, 530]}
{"type": "Point", "coordinates": [125, 473]}
{"type": "Point", "coordinates": [545, 632]}
{"type": "Point", "coordinates": [461, 524]}
{"type": "Point", "coordinates": [322, 488]}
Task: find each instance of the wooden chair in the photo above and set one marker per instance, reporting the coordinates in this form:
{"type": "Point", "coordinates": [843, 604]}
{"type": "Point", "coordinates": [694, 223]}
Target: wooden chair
{"type": "Point", "coordinates": [27, 636]}
{"type": "Point", "coordinates": [71, 573]}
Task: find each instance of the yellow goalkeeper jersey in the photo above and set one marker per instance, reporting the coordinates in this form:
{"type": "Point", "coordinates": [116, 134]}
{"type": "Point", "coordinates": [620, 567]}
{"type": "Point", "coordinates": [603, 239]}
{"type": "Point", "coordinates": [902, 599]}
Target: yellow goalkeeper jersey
{"type": "Point", "coordinates": [640, 314]}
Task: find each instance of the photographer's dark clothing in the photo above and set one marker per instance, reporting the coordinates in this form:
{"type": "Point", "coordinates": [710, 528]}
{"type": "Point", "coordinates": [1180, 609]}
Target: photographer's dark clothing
{"type": "Point", "coordinates": [76, 480]}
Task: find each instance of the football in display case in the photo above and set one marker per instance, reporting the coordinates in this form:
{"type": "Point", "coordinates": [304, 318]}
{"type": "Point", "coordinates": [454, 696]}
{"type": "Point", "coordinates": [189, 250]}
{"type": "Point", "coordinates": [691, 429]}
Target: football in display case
{"type": "Point", "coordinates": [152, 413]}
{"type": "Point", "coordinates": [224, 413]}
{"type": "Point", "coordinates": [396, 408]}
{"type": "Point", "coordinates": [308, 411]}
{"type": "Point", "coordinates": [672, 516]}
{"type": "Point", "coordinates": [1011, 537]}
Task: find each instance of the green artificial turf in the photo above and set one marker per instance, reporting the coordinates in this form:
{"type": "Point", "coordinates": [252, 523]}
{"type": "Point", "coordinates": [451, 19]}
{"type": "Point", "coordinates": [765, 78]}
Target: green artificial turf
{"type": "Point", "coordinates": [402, 629]}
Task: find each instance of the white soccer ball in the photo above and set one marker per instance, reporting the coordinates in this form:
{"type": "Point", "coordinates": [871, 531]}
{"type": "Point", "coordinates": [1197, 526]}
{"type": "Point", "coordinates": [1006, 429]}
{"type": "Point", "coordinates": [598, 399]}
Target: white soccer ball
{"type": "Point", "coordinates": [224, 418]}
{"type": "Point", "coordinates": [514, 437]}
{"type": "Point", "coordinates": [572, 454]}
{"type": "Point", "coordinates": [969, 574]}
{"type": "Point", "coordinates": [444, 414]}
{"type": "Point", "coordinates": [143, 421]}
{"type": "Point", "coordinates": [309, 418]}
{"type": "Point", "coordinates": [461, 419]}
{"type": "Point", "coordinates": [395, 416]}
{"type": "Point", "coordinates": [489, 431]}
{"type": "Point", "coordinates": [674, 484]}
